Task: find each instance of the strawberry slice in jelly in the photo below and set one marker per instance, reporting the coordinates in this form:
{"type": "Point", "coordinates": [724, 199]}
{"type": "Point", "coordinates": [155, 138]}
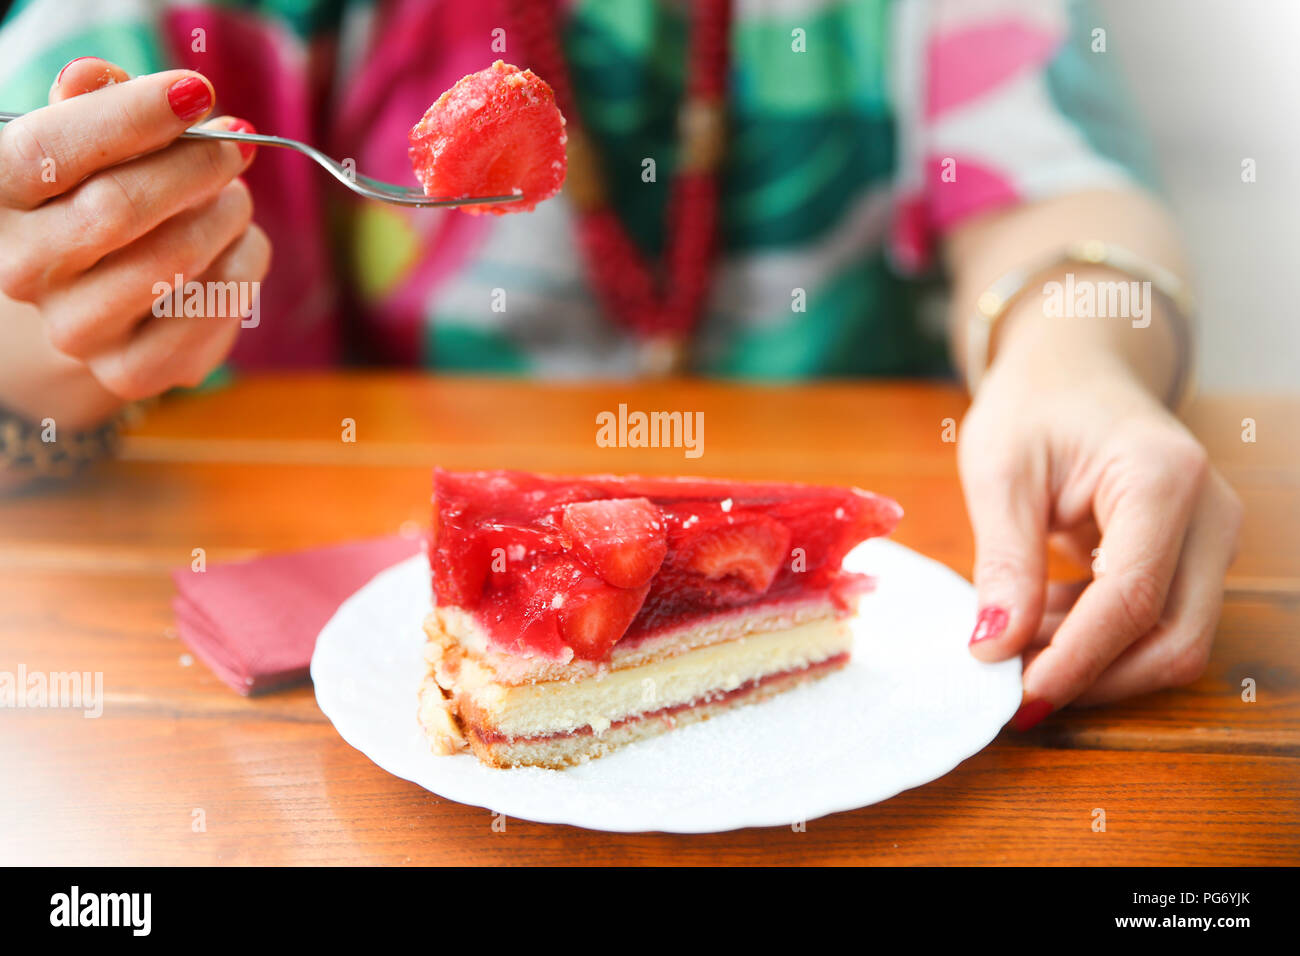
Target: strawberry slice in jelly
{"type": "Point", "coordinates": [594, 615]}
{"type": "Point", "coordinates": [554, 566]}
{"type": "Point", "coordinates": [750, 551]}
{"type": "Point", "coordinates": [496, 132]}
{"type": "Point", "coordinates": [621, 538]}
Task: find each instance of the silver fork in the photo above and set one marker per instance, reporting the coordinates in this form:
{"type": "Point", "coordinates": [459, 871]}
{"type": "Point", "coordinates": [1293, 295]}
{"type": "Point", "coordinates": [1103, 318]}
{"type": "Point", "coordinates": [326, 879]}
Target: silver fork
{"type": "Point", "coordinates": [362, 185]}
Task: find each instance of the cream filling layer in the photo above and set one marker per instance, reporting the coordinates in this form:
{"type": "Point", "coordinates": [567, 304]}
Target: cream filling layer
{"type": "Point", "coordinates": [554, 707]}
{"type": "Point", "coordinates": [713, 628]}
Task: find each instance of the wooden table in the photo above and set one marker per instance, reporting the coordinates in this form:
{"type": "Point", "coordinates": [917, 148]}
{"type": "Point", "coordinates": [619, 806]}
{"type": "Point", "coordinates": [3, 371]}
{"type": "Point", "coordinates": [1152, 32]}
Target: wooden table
{"type": "Point", "coordinates": [1185, 777]}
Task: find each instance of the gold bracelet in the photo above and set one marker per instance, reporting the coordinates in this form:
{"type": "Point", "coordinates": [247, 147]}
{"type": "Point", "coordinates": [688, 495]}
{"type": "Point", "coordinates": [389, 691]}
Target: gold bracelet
{"type": "Point", "coordinates": [998, 298]}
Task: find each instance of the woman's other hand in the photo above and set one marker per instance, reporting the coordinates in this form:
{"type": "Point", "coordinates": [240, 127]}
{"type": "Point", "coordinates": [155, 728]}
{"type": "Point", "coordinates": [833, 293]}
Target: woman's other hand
{"type": "Point", "coordinates": [1082, 454]}
{"type": "Point", "coordinates": [1068, 443]}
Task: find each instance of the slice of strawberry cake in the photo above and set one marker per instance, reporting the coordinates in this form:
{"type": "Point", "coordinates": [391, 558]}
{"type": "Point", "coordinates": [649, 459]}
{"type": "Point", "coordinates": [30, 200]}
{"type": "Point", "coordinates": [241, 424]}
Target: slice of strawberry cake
{"type": "Point", "coordinates": [574, 615]}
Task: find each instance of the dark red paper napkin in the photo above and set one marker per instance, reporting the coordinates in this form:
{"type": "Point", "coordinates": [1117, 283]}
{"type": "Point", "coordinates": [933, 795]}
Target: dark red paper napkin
{"type": "Point", "coordinates": [255, 622]}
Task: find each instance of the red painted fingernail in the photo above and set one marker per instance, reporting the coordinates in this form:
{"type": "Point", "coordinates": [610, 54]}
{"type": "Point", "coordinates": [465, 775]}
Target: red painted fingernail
{"type": "Point", "coordinates": [190, 98]}
{"type": "Point", "coordinates": [1031, 713]}
{"type": "Point", "coordinates": [59, 79]}
{"type": "Point", "coordinates": [992, 621]}
{"type": "Point", "coordinates": [244, 126]}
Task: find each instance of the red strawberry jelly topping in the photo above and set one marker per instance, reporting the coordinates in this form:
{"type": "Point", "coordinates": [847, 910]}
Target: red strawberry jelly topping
{"type": "Point", "coordinates": [551, 565]}
{"type": "Point", "coordinates": [497, 132]}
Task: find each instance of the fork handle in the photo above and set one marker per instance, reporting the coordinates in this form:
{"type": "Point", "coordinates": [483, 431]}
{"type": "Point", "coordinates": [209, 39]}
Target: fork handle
{"type": "Point", "coordinates": [202, 133]}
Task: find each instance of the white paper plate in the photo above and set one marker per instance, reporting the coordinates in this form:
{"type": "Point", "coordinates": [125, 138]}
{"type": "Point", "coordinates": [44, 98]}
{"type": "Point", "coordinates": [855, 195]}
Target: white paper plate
{"type": "Point", "coordinates": [909, 707]}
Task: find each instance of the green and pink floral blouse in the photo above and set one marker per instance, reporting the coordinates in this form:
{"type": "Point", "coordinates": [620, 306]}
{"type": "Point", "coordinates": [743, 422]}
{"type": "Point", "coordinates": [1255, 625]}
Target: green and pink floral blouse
{"type": "Point", "coordinates": [860, 131]}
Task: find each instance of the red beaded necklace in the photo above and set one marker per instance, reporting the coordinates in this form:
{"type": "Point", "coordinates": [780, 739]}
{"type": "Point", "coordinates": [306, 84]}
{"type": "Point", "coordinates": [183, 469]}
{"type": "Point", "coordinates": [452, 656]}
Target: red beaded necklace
{"type": "Point", "coordinates": [662, 305]}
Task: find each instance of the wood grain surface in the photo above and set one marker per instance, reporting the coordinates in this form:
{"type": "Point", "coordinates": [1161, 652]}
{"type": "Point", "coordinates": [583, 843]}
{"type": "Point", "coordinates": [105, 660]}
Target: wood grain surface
{"type": "Point", "coordinates": [1192, 776]}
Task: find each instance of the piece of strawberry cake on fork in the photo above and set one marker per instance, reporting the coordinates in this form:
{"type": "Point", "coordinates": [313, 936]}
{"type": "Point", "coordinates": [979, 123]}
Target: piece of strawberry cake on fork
{"type": "Point", "coordinates": [573, 615]}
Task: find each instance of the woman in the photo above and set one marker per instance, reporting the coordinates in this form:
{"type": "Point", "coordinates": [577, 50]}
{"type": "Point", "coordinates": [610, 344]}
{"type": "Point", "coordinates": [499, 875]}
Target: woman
{"type": "Point", "coordinates": [860, 138]}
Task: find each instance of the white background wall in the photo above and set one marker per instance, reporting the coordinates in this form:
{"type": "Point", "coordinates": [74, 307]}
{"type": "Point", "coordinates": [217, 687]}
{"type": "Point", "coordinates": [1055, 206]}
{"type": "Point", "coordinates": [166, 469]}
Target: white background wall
{"type": "Point", "coordinates": [1218, 81]}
